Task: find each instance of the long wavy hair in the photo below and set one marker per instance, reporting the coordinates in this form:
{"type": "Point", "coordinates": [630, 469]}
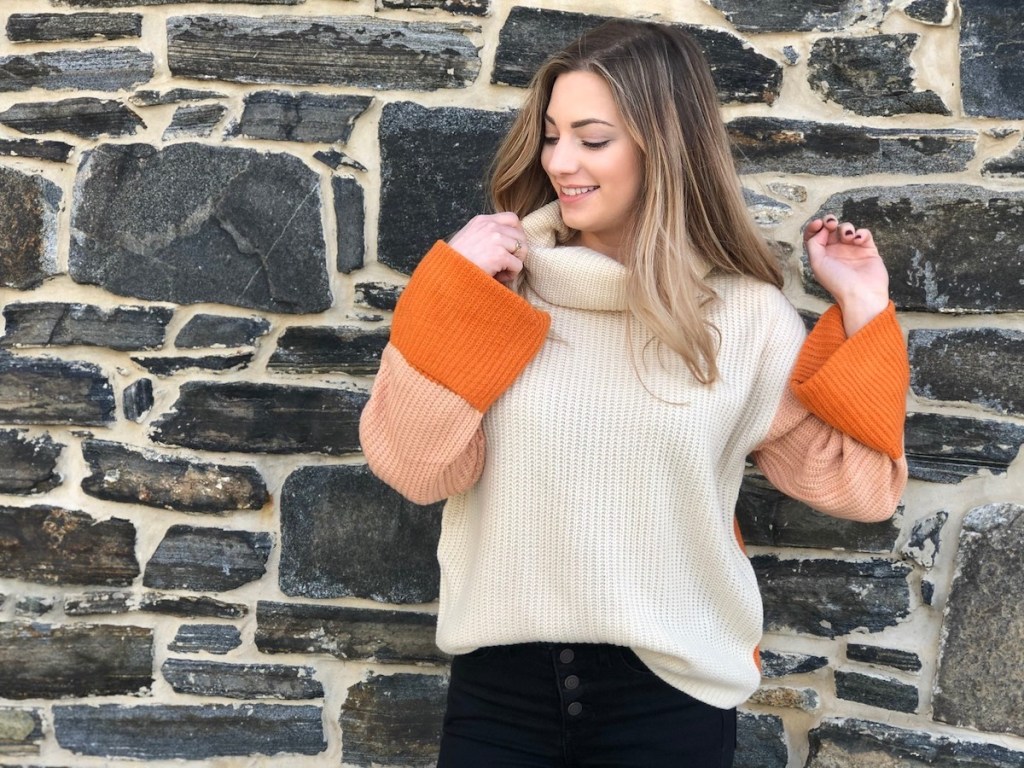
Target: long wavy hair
{"type": "Point", "coordinates": [690, 215]}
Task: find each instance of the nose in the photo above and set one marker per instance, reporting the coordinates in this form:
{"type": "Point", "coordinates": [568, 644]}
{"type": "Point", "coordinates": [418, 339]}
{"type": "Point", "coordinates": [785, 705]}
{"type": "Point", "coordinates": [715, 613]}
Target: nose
{"type": "Point", "coordinates": [561, 158]}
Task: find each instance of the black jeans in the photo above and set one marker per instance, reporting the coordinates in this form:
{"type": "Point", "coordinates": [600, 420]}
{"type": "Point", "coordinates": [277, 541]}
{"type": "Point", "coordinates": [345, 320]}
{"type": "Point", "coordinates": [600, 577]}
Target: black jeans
{"type": "Point", "coordinates": [576, 706]}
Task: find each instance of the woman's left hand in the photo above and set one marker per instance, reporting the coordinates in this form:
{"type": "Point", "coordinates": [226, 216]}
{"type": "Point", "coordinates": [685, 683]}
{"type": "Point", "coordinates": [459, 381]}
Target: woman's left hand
{"type": "Point", "coordinates": [845, 261]}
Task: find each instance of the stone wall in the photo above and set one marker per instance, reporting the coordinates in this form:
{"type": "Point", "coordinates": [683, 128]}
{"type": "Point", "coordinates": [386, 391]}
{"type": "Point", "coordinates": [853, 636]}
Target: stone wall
{"type": "Point", "coordinates": [207, 212]}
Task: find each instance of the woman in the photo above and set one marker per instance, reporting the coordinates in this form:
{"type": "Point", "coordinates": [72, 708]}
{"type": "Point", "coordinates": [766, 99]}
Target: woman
{"type": "Point", "coordinates": [583, 375]}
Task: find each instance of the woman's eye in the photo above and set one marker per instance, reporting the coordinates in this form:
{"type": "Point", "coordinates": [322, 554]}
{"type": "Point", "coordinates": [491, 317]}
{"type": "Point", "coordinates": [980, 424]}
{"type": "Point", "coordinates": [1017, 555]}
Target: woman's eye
{"type": "Point", "coordinates": [551, 140]}
{"type": "Point", "coordinates": [596, 144]}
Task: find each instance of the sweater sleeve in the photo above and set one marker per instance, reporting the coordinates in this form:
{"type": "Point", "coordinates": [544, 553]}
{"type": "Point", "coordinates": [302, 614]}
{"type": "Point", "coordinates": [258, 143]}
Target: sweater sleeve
{"type": "Point", "coordinates": [458, 341]}
{"type": "Point", "coordinates": [836, 441]}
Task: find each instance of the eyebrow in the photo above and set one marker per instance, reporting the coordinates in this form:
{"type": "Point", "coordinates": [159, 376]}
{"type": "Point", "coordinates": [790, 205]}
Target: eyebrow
{"type": "Point", "coordinates": [580, 123]}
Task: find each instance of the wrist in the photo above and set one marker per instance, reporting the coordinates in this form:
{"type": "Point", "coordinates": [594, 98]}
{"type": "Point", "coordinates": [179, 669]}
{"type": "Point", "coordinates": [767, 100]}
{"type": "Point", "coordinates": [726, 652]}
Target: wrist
{"type": "Point", "coordinates": [861, 310]}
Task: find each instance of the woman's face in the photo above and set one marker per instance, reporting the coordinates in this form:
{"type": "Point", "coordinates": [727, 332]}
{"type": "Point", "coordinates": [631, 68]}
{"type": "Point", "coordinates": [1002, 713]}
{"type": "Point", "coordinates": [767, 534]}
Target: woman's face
{"type": "Point", "coordinates": [592, 162]}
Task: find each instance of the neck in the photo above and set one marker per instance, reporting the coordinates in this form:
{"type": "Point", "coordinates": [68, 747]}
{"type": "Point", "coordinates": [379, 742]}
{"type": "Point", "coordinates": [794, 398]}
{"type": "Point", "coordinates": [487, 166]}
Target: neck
{"type": "Point", "coordinates": [609, 244]}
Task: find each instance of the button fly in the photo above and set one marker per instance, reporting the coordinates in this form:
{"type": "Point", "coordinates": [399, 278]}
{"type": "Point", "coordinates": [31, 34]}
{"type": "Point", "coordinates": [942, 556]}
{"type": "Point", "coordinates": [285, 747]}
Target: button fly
{"type": "Point", "coordinates": [566, 656]}
{"type": "Point", "coordinates": [572, 682]}
{"type": "Point", "coordinates": [574, 709]}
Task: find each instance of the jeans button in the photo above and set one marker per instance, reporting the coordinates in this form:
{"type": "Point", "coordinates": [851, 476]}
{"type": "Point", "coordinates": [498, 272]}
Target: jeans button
{"type": "Point", "coordinates": [574, 709]}
{"type": "Point", "coordinates": [566, 656]}
{"type": "Point", "coordinates": [572, 682]}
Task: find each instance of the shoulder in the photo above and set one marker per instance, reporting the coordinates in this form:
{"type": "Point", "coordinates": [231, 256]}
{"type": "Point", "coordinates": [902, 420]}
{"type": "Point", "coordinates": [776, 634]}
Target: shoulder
{"type": "Point", "coordinates": [747, 301]}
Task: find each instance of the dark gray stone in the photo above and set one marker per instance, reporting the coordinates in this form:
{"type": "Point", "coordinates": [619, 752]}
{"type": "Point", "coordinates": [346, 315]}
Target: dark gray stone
{"type": "Point", "coordinates": [262, 418]}
{"type": "Point", "coordinates": [319, 118]}
{"type": "Point", "coordinates": [781, 664]}
{"type": "Point", "coordinates": [991, 60]}
{"type": "Point", "coordinates": [465, 7]}
{"type": "Point", "coordinates": [41, 390]}
{"type": "Point", "coordinates": [191, 607]}
{"type": "Point", "coordinates": [137, 399]}
{"type": "Point", "coordinates": [427, 190]}
{"type": "Point", "coordinates": [924, 541]}
{"type": "Point", "coordinates": [61, 27]}
{"type": "Point", "coordinates": [200, 732]}
{"type": "Point", "coordinates": [530, 35]}
{"type": "Point", "coordinates": [170, 365]}
{"type": "Point", "coordinates": [852, 743]}
{"type": "Point", "coordinates": [367, 634]}
{"type": "Point", "coordinates": [207, 638]}
{"type": "Point", "coordinates": [393, 720]}
{"type": "Point", "coordinates": [350, 215]}
{"type": "Point", "coordinates": [871, 75]}
{"type": "Point", "coordinates": [28, 229]}
{"type": "Point", "coordinates": [28, 465]}
{"type": "Point", "coordinates": [983, 625]}
{"type": "Point", "coordinates": [94, 603]}
{"type": "Point", "coordinates": [146, 98]}
{"type": "Point", "coordinates": [776, 145]}
{"type": "Point", "coordinates": [127, 3]}
{"type": "Point", "coordinates": [769, 518]}
{"type": "Point", "coordinates": [122, 473]}
{"type": "Point", "coordinates": [1010, 166]}
{"type": "Point", "coordinates": [378, 295]}
{"type": "Point", "coordinates": [241, 681]}
{"type": "Point", "coordinates": [319, 349]}
{"type": "Point", "coordinates": [57, 151]}
{"type": "Point", "coordinates": [50, 545]}
{"type": "Point", "coordinates": [33, 606]}
{"type": "Point", "coordinates": [928, 11]}
{"type": "Point", "coordinates": [927, 592]}
{"type": "Point", "coordinates": [946, 449]}
{"type": "Point", "coordinates": [802, 15]}
{"type": "Point", "coordinates": [345, 533]}
{"type": "Point", "coordinates": [766, 211]}
{"type": "Point", "coordinates": [829, 598]}
{"type": "Point", "coordinates": [949, 247]}
{"type": "Point", "coordinates": [335, 158]}
{"type": "Point", "coordinates": [194, 120]}
{"type": "Point", "coordinates": [984, 366]}
{"type": "Point", "coordinates": [760, 742]}
{"type": "Point", "coordinates": [218, 331]}
{"type": "Point", "coordinates": [208, 559]}
{"type": "Point", "coordinates": [884, 692]}
{"type": "Point", "coordinates": [355, 51]}
{"type": "Point", "coordinates": [86, 117]}
{"type": "Point", "coordinates": [95, 69]}
{"type": "Point", "coordinates": [54, 324]}
{"type": "Point", "coordinates": [21, 731]}
{"type": "Point", "coordinates": [889, 657]}
{"type": "Point", "coordinates": [43, 661]}
{"type": "Point", "coordinates": [193, 223]}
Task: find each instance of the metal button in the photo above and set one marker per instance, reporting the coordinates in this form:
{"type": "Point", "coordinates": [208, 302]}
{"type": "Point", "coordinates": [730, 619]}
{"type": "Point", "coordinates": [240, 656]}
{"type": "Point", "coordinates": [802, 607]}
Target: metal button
{"type": "Point", "coordinates": [574, 709]}
{"type": "Point", "coordinates": [572, 683]}
{"type": "Point", "coordinates": [566, 656]}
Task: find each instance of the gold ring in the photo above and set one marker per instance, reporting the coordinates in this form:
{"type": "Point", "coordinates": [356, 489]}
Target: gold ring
{"type": "Point", "coordinates": [516, 249]}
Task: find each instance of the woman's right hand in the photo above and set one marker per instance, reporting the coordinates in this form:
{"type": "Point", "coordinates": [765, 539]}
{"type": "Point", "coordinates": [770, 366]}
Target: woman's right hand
{"type": "Point", "coordinates": [495, 242]}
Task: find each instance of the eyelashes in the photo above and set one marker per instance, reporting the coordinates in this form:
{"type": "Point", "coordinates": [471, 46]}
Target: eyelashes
{"type": "Point", "coordinates": [552, 140]}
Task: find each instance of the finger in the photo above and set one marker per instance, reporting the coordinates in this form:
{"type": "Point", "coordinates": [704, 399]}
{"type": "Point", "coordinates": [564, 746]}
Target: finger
{"type": "Point", "coordinates": [864, 237]}
{"type": "Point", "coordinates": [831, 222]}
{"type": "Point", "coordinates": [505, 218]}
{"type": "Point", "coordinates": [847, 232]}
{"type": "Point", "coordinates": [813, 228]}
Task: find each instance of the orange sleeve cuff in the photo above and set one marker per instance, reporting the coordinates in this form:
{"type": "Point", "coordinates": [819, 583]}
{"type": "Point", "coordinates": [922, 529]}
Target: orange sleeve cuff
{"type": "Point", "coordinates": [858, 384]}
{"type": "Point", "coordinates": [463, 329]}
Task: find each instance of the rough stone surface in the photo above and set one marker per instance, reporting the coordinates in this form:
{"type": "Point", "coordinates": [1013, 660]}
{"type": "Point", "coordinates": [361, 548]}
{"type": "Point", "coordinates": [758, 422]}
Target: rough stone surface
{"type": "Point", "coordinates": [465, 7]}
{"type": "Point", "coordinates": [946, 449]}
{"type": "Point", "coordinates": [530, 35]}
{"type": "Point", "coordinates": [781, 664]}
{"type": "Point", "coordinates": [805, 699]}
{"type": "Point", "coordinates": [760, 742]}
{"type": "Point", "coordinates": [335, 159]}
{"type": "Point", "coordinates": [350, 214]}
{"type": "Point", "coordinates": [309, 117]}
{"type": "Point", "coordinates": [122, 473]}
{"type": "Point", "coordinates": [147, 98]}
{"type": "Point", "coordinates": [889, 657]}
{"type": "Point", "coordinates": [208, 559]}
{"type": "Point", "coordinates": [55, 324]}
{"type": "Point", "coordinates": [28, 229]}
{"type": "Point", "coordinates": [876, 691]}
{"type": "Point", "coordinates": [43, 661]}
{"type": "Point", "coordinates": [319, 349]}
{"type": "Point", "coordinates": [60, 27]}
{"type": "Point", "coordinates": [47, 391]}
{"type": "Point", "coordinates": [766, 211]}
{"type": "Point", "coordinates": [128, 3]}
{"type": "Point", "coordinates": [851, 743]}
{"type": "Point", "coordinates": [984, 366]}
{"type": "Point", "coordinates": [1010, 166]}
{"type": "Point", "coordinates": [206, 638]}
{"type": "Point", "coordinates": [433, 163]}
{"type": "Point", "coordinates": [382, 636]}
{"type": "Point", "coordinates": [378, 295]}
{"type": "Point", "coordinates": [778, 145]}
{"type": "Point", "coordinates": [262, 418]}
{"type": "Point", "coordinates": [21, 731]}
{"type": "Point", "coordinates": [948, 247]}
{"type": "Point", "coordinates": [991, 64]}
{"type": "Point", "coordinates": [194, 120]}
{"type": "Point", "coordinates": [99, 603]}
{"type": "Point", "coordinates": [768, 517]}
{"type": "Point", "coordinates": [204, 330]}
{"type": "Point", "coordinates": [168, 365]}
{"type": "Point", "coordinates": [829, 598]}
{"type": "Point", "coordinates": [137, 399]}
{"type": "Point", "coordinates": [28, 465]}
{"type": "Point", "coordinates": [57, 151]}
{"type": "Point", "coordinates": [802, 15]}
{"type": "Point", "coordinates": [871, 75]}
{"type": "Point", "coordinates": [194, 223]}
{"type": "Point", "coordinates": [191, 607]}
{"type": "Point", "coordinates": [925, 539]}
{"type": "Point", "coordinates": [241, 681]}
{"type": "Point", "coordinates": [33, 606]}
{"type": "Point", "coordinates": [214, 730]}
{"type": "Point", "coordinates": [927, 592]}
{"type": "Point", "coordinates": [929, 11]}
{"type": "Point", "coordinates": [95, 69]}
{"type": "Point", "coordinates": [50, 545]}
{"type": "Point", "coordinates": [393, 720]}
{"type": "Point", "coordinates": [348, 51]}
{"type": "Point", "coordinates": [345, 533]}
{"type": "Point", "coordinates": [86, 117]}
{"type": "Point", "coordinates": [983, 625]}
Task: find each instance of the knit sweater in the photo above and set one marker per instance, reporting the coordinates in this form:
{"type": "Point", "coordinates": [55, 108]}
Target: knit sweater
{"type": "Point", "coordinates": [592, 481]}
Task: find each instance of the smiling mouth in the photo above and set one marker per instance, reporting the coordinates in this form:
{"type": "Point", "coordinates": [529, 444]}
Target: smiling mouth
{"type": "Point", "coordinates": [575, 191]}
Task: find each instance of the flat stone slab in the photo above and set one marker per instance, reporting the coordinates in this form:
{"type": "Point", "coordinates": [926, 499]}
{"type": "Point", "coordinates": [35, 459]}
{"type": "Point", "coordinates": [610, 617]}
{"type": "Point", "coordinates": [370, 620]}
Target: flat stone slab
{"type": "Point", "coordinates": [206, 638]}
{"type": "Point", "coordinates": [929, 11]}
{"type": "Point", "coordinates": [21, 731]}
{"type": "Point", "coordinates": [305, 117]}
{"type": "Point", "coordinates": [55, 324]}
{"type": "Point", "coordinates": [358, 51]}
{"type": "Point", "coordinates": [101, 602]}
{"type": "Point", "coordinates": [465, 7]}
{"type": "Point", "coordinates": [63, 27]}
{"type": "Point", "coordinates": [28, 465]}
{"type": "Point", "coordinates": [947, 449]}
{"type": "Point", "coordinates": [55, 151]}
{"type": "Point", "coordinates": [194, 223]}
{"type": "Point", "coordinates": [350, 215]}
{"type": "Point", "coordinates": [196, 120]}
{"type": "Point", "coordinates": [208, 559]}
{"type": "Point", "coordinates": [150, 98]}
{"type": "Point", "coordinates": [908, 661]}
{"type": "Point", "coordinates": [137, 399]}
{"type": "Point", "coordinates": [781, 663]}
{"type": "Point", "coordinates": [877, 691]}
{"type": "Point", "coordinates": [191, 607]}
{"type": "Point", "coordinates": [48, 391]}
{"type": "Point", "coordinates": [169, 365]}
{"type": "Point", "coordinates": [95, 69]}
{"type": "Point", "coordinates": [241, 681]}
{"type": "Point", "coordinates": [86, 117]}
{"type": "Point", "coordinates": [991, 64]}
{"type": "Point", "coordinates": [321, 349]}
{"type": "Point", "coordinates": [802, 15]}
{"type": "Point", "coordinates": [975, 688]}
{"type": "Point", "coordinates": [204, 330]}
{"type": "Point", "coordinates": [28, 228]}
{"type": "Point", "coordinates": [378, 295]}
{"type": "Point", "coordinates": [1009, 166]}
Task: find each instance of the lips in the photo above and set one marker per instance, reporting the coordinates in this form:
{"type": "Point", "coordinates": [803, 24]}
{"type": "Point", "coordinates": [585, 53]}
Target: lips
{"type": "Point", "coordinates": [575, 191]}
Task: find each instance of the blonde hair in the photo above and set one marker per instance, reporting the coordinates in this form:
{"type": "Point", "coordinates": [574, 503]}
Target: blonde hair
{"type": "Point", "coordinates": [690, 213]}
